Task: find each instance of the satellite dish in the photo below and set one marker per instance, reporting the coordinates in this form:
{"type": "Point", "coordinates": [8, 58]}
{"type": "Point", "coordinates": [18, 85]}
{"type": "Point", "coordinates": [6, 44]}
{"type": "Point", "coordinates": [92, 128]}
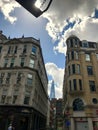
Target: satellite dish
{"type": "Point", "coordinates": [30, 6]}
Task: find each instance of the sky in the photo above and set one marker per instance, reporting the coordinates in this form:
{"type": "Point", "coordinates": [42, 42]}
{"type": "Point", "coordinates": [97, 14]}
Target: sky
{"type": "Point", "coordinates": [64, 18]}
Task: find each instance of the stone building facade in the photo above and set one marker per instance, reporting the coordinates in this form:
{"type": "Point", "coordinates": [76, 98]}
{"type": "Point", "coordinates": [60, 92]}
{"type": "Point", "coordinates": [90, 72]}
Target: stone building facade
{"type": "Point", "coordinates": [23, 84]}
{"type": "Point", "coordinates": [80, 86]}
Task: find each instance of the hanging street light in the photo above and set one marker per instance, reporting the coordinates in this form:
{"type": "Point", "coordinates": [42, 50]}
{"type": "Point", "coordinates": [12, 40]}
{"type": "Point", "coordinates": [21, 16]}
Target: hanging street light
{"type": "Point", "coordinates": [31, 6]}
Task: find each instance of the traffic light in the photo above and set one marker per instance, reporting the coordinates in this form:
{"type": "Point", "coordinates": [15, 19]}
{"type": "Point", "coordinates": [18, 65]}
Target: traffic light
{"type": "Point", "coordinates": [30, 6]}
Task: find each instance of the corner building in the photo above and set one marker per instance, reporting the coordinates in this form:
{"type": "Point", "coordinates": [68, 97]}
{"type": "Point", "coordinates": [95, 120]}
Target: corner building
{"type": "Point", "coordinates": [23, 84]}
{"type": "Point", "coordinates": [80, 86]}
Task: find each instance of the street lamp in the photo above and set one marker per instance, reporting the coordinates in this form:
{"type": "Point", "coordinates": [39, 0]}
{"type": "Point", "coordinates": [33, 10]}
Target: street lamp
{"type": "Point", "coordinates": [30, 6]}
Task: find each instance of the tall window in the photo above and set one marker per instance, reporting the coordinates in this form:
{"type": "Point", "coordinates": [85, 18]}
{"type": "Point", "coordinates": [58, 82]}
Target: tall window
{"type": "Point", "coordinates": [22, 62]}
{"type": "Point", "coordinates": [70, 85]}
{"type": "Point", "coordinates": [1, 77]}
{"type": "Point", "coordinates": [12, 62]}
{"type": "Point", "coordinates": [3, 97]}
{"type": "Point", "coordinates": [6, 62]}
{"type": "Point", "coordinates": [9, 49]}
{"type": "Point", "coordinates": [15, 51]}
{"type": "Point", "coordinates": [29, 79]}
{"type": "Point", "coordinates": [34, 49]}
{"type": "Point", "coordinates": [78, 105]}
{"type": "Point", "coordinates": [80, 84]}
{"type": "Point", "coordinates": [19, 77]}
{"type": "Point", "coordinates": [76, 55]}
{"type": "Point", "coordinates": [75, 84]}
{"type": "Point", "coordinates": [97, 56]}
{"type": "Point", "coordinates": [26, 100]}
{"type": "Point", "coordinates": [8, 78]}
{"type": "Point", "coordinates": [72, 55]}
{"type": "Point", "coordinates": [69, 70]}
{"type": "Point", "coordinates": [78, 68]}
{"type": "Point", "coordinates": [31, 63]}
{"type": "Point", "coordinates": [92, 86]}
{"type": "Point", "coordinates": [71, 42]}
{"type": "Point", "coordinates": [25, 49]}
{"type": "Point", "coordinates": [0, 49]}
{"type": "Point", "coordinates": [14, 99]}
{"type": "Point", "coordinates": [87, 57]}
{"type": "Point", "coordinates": [90, 70]}
{"type": "Point", "coordinates": [73, 69]}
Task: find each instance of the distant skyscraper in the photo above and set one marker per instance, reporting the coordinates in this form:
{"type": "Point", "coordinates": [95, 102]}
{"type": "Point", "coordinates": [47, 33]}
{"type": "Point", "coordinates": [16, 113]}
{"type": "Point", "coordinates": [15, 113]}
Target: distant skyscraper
{"type": "Point", "coordinates": [52, 91]}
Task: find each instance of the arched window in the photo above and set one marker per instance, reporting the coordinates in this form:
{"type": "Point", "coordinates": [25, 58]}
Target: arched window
{"type": "Point", "coordinates": [78, 105]}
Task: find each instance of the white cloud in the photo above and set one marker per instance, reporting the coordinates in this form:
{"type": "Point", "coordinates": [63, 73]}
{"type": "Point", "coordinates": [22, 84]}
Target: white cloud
{"type": "Point", "coordinates": [57, 75]}
{"type": "Point", "coordinates": [7, 6]}
{"type": "Point", "coordinates": [62, 10]}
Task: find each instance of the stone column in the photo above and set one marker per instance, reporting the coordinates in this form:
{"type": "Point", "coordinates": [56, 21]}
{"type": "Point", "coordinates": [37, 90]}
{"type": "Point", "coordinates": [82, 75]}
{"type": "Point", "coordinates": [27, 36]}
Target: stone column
{"type": "Point", "coordinates": [72, 126]}
{"type": "Point", "coordinates": [90, 124]}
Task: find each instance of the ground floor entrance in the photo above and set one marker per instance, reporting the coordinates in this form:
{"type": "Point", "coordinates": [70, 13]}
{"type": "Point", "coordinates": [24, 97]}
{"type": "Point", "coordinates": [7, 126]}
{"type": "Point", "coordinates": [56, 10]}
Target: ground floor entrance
{"type": "Point", "coordinates": [21, 118]}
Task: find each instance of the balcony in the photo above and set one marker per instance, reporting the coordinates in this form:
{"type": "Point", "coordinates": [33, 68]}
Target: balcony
{"type": "Point", "coordinates": [76, 92]}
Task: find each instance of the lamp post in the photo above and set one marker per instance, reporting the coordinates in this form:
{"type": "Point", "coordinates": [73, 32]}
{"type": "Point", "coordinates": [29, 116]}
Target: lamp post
{"type": "Point", "coordinates": [30, 6]}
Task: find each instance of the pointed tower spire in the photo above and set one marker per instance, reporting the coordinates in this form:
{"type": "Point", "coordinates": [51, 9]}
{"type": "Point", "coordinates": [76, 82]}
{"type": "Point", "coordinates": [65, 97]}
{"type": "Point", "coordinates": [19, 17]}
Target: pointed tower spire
{"type": "Point", "coordinates": [52, 91]}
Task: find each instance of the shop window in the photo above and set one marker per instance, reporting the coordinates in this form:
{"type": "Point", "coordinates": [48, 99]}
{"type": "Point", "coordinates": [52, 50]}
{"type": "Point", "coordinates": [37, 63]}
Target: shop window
{"type": "Point", "coordinates": [92, 86]}
{"type": "Point", "coordinates": [78, 105]}
{"type": "Point", "coordinates": [90, 70]}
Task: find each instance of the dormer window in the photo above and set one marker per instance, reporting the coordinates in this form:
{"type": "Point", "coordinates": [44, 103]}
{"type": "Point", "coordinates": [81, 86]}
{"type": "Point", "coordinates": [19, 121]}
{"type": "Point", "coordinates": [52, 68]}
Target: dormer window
{"type": "Point", "coordinates": [85, 44]}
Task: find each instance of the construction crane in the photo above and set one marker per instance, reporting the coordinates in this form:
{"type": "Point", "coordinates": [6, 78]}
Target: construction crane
{"type": "Point", "coordinates": [30, 6]}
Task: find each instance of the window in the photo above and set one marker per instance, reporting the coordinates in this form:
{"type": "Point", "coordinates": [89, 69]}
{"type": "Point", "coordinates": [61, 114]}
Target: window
{"type": "Point", "coordinates": [9, 49]}
{"type": "Point", "coordinates": [1, 77]}
{"type": "Point", "coordinates": [22, 62]}
{"type": "Point", "coordinates": [25, 49]}
{"type": "Point", "coordinates": [78, 68]}
{"type": "Point", "coordinates": [0, 49]}
{"type": "Point", "coordinates": [19, 77]}
{"type": "Point", "coordinates": [72, 55]}
{"type": "Point", "coordinates": [85, 44]}
{"type": "Point", "coordinates": [26, 100]}
{"type": "Point", "coordinates": [92, 86]}
{"type": "Point", "coordinates": [94, 100]}
{"type": "Point", "coordinates": [71, 42]}
{"type": "Point", "coordinates": [31, 63]}
{"type": "Point", "coordinates": [75, 84]}
{"type": "Point", "coordinates": [34, 50]}
{"type": "Point", "coordinates": [6, 62]}
{"type": "Point", "coordinates": [90, 70]}
{"type": "Point", "coordinates": [12, 62]}
{"type": "Point", "coordinates": [29, 79]}
{"type": "Point", "coordinates": [70, 85]}
{"type": "Point", "coordinates": [3, 98]}
{"type": "Point", "coordinates": [73, 69]}
{"type": "Point", "coordinates": [69, 70]}
{"type": "Point", "coordinates": [80, 84]}
{"type": "Point", "coordinates": [76, 55]}
{"type": "Point", "coordinates": [15, 51]}
{"type": "Point", "coordinates": [8, 78]}
{"type": "Point", "coordinates": [78, 105]}
{"type": "Point", "coordinates": [87, 57]}
{"type": "Point", "coordinates": [14, 99]}
{"type": "Point", "coordinates": [97, 56]}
